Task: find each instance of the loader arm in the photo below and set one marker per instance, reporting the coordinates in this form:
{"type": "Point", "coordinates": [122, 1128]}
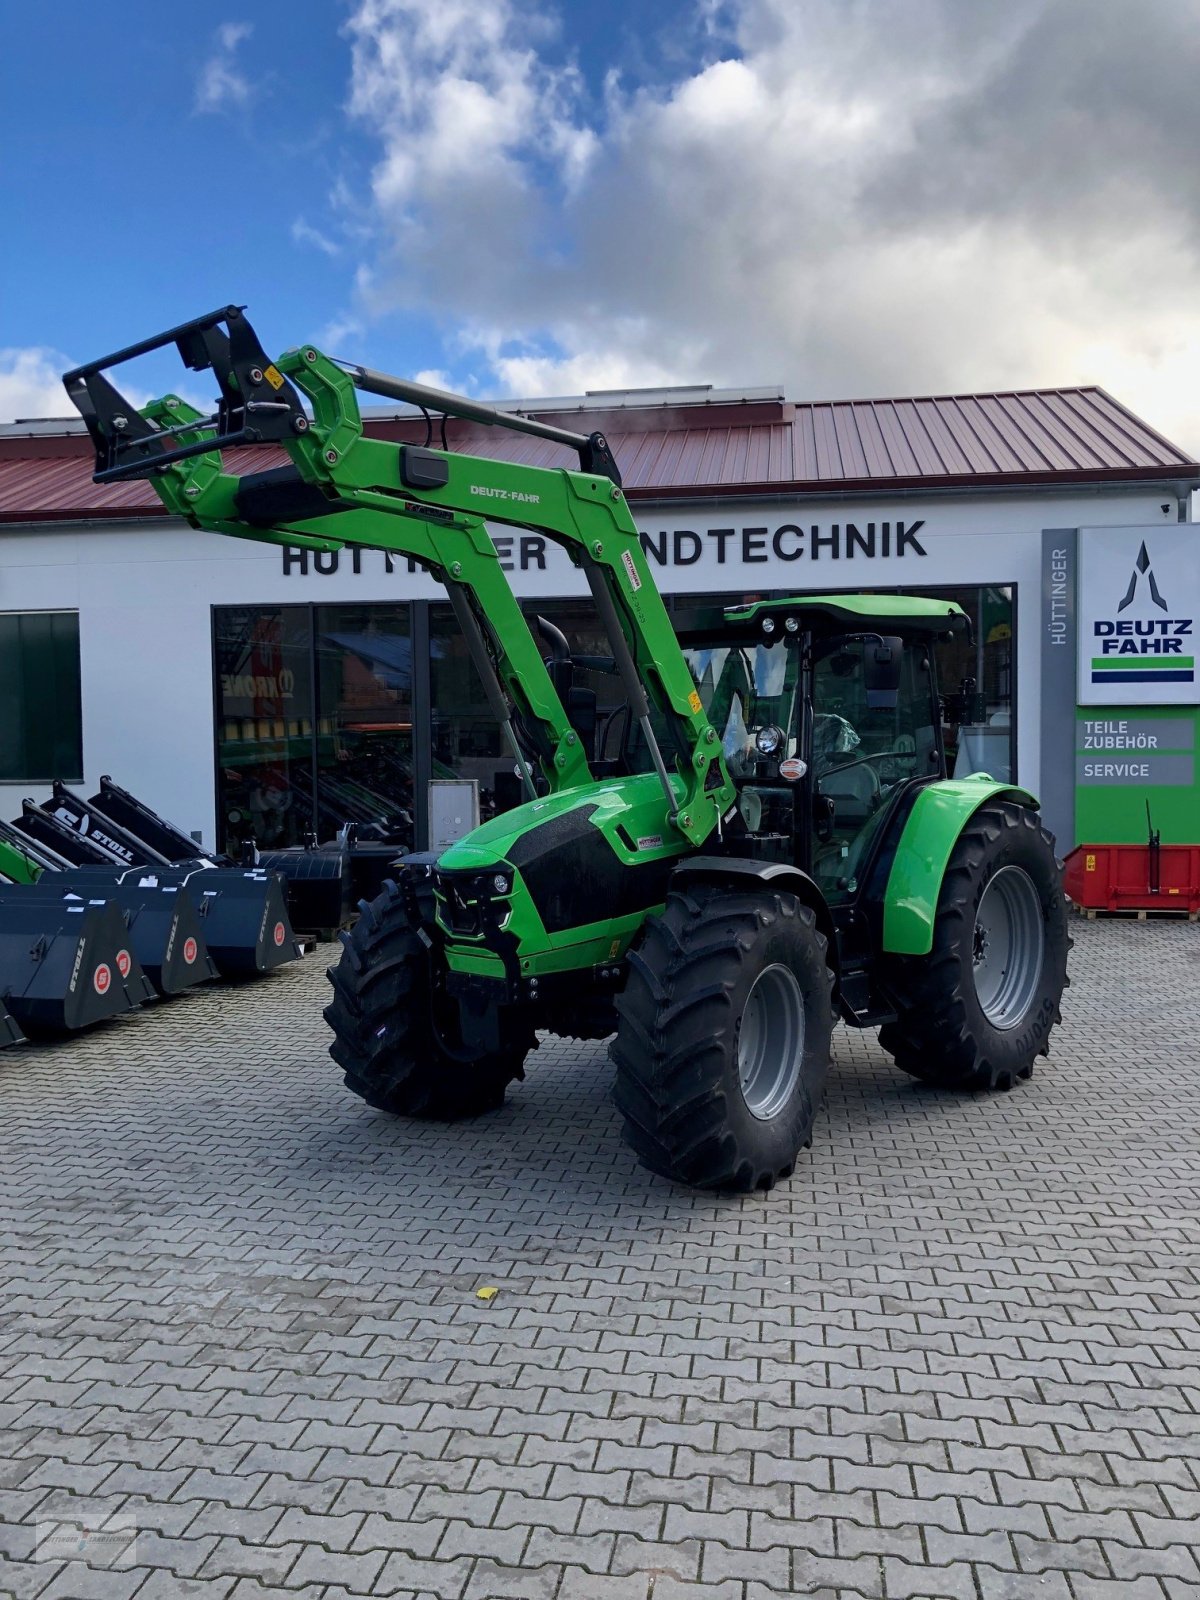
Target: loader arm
{"type": "Point", "coordinates": [271, 508]}
{"type": "Point", "coordinates": [345, 489]}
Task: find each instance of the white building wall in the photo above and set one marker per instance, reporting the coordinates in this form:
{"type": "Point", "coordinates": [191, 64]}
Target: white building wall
{"type": "Point", "coordinates": [145, 592]}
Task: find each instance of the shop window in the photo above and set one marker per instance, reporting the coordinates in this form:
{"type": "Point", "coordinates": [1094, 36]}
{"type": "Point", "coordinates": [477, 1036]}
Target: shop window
{"type": "Point", "coordinates": [41, 728]}
{"type": "Point", "coordinates": [264, 725]}
{"type": "Point", "coordinates": [287, 768]}
{"type": "Point", "coordinates": [364, 745]}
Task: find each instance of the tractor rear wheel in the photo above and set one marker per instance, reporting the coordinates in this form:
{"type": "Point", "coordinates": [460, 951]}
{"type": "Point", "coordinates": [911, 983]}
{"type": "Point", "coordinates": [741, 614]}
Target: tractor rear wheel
{"type": "Point", "coordinates": [978, 1009]}
{"type": "Point", "coordinates": [722, 1045]}
{"type": "Point", "coordinates": [396, 1034]}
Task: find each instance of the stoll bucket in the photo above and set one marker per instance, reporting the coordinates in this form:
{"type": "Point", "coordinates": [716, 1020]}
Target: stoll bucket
{"type": "Point", "coordinates": [164, 924]}
{"type": "Point", "coordinates": [65, 964]}
{"type": "Point", "coordinates": [46, 830]}
{"type": "Point", "coordinates": [162, 839]}
{"type": "Point", "coordinates": [41, 855]}
{"type": "Point", "coordinates": [245, 920]}
{"type": "Point", "coordinates": [90, 823]}
{"type": "Point", "coordinates": [242, 912]}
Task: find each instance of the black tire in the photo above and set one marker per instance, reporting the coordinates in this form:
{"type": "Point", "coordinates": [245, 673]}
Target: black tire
{"type": "Point", "coordinates": [680, 1017]}
{"type": "Point", "coordinates": [394, 1039]}
{"type": "Point", "coordinates": [942, 1034]}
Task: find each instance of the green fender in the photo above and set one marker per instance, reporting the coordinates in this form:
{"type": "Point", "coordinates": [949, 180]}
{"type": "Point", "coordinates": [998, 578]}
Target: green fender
{"type": "Point", "coordinates": [941, 812]}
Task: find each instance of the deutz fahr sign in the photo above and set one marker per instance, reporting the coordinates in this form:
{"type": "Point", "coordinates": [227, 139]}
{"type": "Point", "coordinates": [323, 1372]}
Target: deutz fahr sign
{"type": "Point", "coordinates": [1139, 599]}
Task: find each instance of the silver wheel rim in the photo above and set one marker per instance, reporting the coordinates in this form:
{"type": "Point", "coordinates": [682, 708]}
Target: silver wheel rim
{"type": "Point", "coordinates": [1008, 947]}
{"type": "Point", "coordinates": [771, 1042]}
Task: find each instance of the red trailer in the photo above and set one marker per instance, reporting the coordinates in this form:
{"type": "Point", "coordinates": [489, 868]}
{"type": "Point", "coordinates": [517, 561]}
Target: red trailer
{"type": "Point", "coordinates": [1135, 877]}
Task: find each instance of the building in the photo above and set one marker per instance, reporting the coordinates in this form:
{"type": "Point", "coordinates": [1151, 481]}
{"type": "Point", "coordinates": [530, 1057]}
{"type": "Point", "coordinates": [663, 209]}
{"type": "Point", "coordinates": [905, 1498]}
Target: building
{"type": "Point", "coordinates": [242, 690]}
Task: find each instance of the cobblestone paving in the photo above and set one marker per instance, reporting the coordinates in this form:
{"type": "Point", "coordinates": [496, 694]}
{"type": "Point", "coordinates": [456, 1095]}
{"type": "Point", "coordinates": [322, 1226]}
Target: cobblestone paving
{"type": "Point", "coordinates": [958, 1355]}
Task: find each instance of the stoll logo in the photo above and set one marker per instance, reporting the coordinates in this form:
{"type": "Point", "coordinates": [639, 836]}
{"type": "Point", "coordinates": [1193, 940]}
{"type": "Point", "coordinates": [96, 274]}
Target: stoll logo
{"type": "Point", "coordinates": [1150, 649]}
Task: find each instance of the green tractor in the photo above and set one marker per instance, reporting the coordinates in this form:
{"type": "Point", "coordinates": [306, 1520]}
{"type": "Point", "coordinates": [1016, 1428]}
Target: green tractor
{"type": "Point", "coordinates": [768, 843]}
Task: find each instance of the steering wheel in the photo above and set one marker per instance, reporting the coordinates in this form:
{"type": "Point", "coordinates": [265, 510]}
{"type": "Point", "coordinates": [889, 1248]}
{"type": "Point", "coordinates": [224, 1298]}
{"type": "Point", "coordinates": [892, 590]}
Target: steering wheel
{"type": "Point", "coordinates": [860, 761]}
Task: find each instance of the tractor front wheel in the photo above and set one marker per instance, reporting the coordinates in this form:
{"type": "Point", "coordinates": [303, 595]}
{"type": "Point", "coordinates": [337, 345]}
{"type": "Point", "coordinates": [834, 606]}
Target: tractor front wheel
{"type": "Point", "coordinates": [396, 1034]}
{"type": "Point", "coordinates": [722, 1043]}
{"type": "Point", "coordinates": [977, 1011]}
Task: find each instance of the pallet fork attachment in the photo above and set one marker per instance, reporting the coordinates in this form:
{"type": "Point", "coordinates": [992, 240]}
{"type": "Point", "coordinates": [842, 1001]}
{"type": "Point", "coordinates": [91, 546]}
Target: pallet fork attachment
{"type": "Point", "coordinates": [257, 405]}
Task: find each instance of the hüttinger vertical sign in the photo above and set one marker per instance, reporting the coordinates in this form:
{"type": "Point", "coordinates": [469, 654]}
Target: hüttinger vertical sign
{"type": "Point", "coordinates": [1139, 600]}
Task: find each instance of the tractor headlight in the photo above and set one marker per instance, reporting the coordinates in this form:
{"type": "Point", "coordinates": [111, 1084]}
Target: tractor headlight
{"type": "Point", "coordinates": [768, 741]}
{"type": "Point", "coordinates": [501, 884]}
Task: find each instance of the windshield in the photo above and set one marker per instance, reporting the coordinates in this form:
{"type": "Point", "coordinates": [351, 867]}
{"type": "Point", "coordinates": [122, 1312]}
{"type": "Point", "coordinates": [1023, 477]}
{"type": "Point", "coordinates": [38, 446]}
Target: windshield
{"type": "Point", "coordinates": [744, 688]}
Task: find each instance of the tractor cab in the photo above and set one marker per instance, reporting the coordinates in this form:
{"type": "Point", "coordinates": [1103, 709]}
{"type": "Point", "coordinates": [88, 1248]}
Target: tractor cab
{"type": "Point", "coordinates": [828, 712]}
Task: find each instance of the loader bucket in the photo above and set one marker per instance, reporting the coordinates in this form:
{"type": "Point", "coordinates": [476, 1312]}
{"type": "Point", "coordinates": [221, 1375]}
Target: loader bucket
{"type": "Point", "coordinates": [49, 892]}
{"type": "Point", "coordinates": [245, 920]}
{"type": "Point", "coordinates": [90, 823]}
{"type": "Point", "coordinates": [164, 925]}
{"type": "Point", "coordinates": [162, 840]}
{"type": "Point", "coordinates": [318, 884]}
{"type": "Point", "coordinates": [33, 849]}
{"type": "Point", "coordinates": [65, 964]}
{"type": "Point", "coordinates": [48, 831]}
{"type": "Point", "coordinates": [243, 913]}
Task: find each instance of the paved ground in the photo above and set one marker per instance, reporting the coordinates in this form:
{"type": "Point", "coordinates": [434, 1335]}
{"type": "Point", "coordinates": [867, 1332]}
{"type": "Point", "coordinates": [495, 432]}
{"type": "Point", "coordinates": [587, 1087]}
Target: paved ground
{"type": "Point", "coordinates": [241, 1352]}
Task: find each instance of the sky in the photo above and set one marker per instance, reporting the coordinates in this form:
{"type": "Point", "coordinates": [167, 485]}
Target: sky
{"type": "Point", "coordinates": [842, 198]}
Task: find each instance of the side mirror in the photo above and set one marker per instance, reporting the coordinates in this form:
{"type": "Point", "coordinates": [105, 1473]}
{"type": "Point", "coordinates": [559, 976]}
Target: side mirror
{"type": "Point", "coordinates": [882, 660]}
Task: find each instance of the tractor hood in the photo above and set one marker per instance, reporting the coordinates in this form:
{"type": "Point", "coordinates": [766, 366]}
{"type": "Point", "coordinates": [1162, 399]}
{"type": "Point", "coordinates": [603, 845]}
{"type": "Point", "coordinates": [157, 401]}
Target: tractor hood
{"type": "Point", "coordinates": [634, 806]}
{"type": "Point", "coordinates": [582, 867]}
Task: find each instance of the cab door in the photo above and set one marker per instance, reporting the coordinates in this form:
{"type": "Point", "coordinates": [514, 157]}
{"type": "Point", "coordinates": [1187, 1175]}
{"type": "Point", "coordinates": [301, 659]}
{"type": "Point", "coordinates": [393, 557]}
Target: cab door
{"type": "Point", "coordinates": [863, 755]}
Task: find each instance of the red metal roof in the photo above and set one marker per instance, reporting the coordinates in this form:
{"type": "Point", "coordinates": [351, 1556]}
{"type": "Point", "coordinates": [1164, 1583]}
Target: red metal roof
{"type": "Point", "coordinates": [1031, 437]}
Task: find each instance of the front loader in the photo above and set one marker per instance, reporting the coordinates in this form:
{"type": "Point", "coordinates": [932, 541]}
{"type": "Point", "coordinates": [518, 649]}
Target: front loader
{"type": "Point", "coordinates": [769, 844]}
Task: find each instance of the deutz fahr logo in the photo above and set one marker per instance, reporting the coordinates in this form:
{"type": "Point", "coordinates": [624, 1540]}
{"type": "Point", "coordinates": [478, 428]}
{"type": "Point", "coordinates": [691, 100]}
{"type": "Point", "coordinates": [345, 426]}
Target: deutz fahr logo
{"type": "Point", "coordinates": [1145, 649]}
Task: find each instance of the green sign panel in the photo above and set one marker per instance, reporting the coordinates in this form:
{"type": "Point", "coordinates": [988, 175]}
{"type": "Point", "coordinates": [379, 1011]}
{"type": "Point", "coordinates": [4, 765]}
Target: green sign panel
{"type": "Point", "coordinates": [1124, 758]}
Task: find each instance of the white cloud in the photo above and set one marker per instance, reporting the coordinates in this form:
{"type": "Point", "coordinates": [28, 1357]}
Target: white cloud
{"type": "Point", "coordinates": [31, 384]}
{"type": "Point", "coordinates": [337, 331]}
{"type": "Point", "coordinates": [480, 136]}
{"type": "Point", "coordinates": [521, 367]}
{"type": "Point", "coordinates": [221, 85]}
{"type": "Point", "coordinates": [849, 199]}
{"type": "Point", "coordinates": [304, 233]}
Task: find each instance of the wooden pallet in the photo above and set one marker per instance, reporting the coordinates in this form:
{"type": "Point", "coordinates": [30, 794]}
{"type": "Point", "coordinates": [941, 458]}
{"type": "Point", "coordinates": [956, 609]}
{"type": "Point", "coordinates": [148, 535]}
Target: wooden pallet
{"type": "Point", "coordinates": [1139, 914]}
